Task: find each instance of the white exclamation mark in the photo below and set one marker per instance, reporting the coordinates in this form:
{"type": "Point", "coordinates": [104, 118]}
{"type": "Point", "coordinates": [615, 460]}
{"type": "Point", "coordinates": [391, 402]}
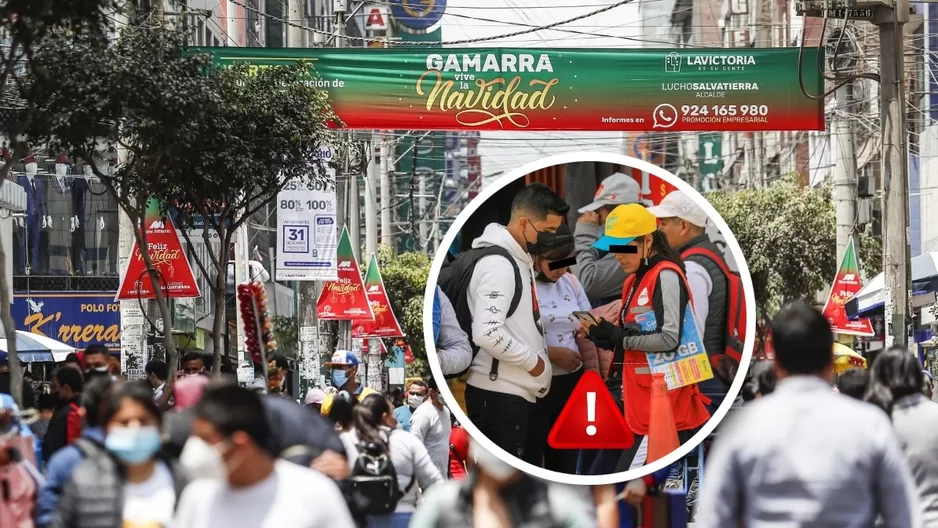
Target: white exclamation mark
{"type": "Point", "coordinates": [591, 413]}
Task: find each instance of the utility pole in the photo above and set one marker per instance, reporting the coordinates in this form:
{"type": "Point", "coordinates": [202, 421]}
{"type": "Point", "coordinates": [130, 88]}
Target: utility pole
{"type": "Point", "coordinates": [385, 167]}
{"type": "Point", "coordinates": [371, 199]}
{"type": "Point", "coordinates": [895, 171]}
{"type": "Point", "coordinates": [845, 172]}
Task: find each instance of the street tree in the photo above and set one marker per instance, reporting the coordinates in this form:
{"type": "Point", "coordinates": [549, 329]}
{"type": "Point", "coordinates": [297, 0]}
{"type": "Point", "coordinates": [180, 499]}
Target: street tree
{"type": "Point", "coordinates": [788, 236]}
{"type": "Point", "coordinates": [25, 27]}
{"type": "Point", "coordinates": [215, 144]}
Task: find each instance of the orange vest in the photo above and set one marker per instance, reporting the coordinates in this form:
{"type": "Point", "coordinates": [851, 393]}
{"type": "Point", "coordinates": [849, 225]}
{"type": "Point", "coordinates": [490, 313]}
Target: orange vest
{"type": "Point", "coordinates": [687, 403]}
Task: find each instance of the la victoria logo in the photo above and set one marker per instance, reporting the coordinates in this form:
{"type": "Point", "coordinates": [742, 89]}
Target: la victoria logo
{"type": "Point", "coordinates": [374, 289]}
{"type": "Point", "coordinates": [345, 264]}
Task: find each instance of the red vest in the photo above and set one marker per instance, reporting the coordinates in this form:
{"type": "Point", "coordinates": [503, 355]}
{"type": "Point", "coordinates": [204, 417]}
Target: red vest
{"type": "Point", "coordinates": [687, 403]}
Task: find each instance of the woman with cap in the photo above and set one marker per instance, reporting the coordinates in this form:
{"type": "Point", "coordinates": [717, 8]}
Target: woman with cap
{"type": "Point", "coordinates": [314, 399]}
{"type": "Point", "coordinates": [656, 283]}
{"type": "Point", "coordinates": [559, 295]}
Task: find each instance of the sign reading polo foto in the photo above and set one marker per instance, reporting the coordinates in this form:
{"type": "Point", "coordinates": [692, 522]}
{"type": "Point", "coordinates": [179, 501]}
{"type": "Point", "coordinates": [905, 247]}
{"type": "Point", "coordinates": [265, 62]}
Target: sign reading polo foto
{"type": "Point", "coordinates": [76, 319]}
{"type": "Point", "coordinates": [558, 89]}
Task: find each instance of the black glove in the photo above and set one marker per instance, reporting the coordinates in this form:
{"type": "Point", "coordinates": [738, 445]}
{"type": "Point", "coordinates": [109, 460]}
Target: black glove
{"type": "Point", "coordinates": [606, 335]}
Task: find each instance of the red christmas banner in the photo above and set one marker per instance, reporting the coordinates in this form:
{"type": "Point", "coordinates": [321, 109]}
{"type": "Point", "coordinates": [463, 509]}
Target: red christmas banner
{"type": "Point", "coordinates": [174, 276]}
{"type": "Point", "coordinates": [846, 285]}
{"type": "Point", "coordinates": [344, 299]}
{"type": "Point", "coordinates": [384, 323]}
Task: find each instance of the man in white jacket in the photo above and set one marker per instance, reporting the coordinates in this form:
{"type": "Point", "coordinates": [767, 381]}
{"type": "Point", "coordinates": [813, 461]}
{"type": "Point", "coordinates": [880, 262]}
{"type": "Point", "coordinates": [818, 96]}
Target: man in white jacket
{"type": "Point", "coordinates": [500, 401]}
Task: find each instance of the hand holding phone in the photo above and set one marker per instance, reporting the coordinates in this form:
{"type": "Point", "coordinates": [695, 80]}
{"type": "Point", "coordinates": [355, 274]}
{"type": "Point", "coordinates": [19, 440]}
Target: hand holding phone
{"type": "Point", "coordinates": [586, 318]}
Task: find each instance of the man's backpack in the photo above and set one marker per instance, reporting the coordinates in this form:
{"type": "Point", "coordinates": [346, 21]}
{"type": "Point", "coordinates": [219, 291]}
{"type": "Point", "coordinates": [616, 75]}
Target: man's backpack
{"type": "Point", "coordinates": [374, 486]}
{"type": "Point", "coordinates": [726, 362]}
{"type": "Point", "coordinates": [454, 282]}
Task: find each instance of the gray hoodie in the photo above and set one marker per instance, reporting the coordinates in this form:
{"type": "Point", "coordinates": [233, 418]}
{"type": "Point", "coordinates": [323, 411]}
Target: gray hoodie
{"type": "Point", "coordinates": [516, 341]}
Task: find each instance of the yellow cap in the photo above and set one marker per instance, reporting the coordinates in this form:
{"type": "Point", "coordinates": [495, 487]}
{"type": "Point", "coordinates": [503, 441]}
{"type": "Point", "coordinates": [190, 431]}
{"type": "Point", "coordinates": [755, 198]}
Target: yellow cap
{"type": "Point", "coordinates": [626, 223]}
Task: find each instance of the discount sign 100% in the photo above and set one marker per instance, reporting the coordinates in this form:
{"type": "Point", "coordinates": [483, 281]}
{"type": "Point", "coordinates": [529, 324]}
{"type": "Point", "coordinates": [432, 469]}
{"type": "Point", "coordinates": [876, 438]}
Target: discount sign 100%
{"type": "Point", "coordinates": [300, 205]}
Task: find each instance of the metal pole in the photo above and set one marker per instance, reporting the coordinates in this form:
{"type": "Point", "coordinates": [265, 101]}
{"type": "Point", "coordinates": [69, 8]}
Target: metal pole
{"type": "Point", "coordinates": [385, 167]}
{"type": "Point", "coordinates": [845, 172]}
{"type": "Point", "coordinates": [371, 200]}
{"type": "Point", "coordinates": [895, 171]}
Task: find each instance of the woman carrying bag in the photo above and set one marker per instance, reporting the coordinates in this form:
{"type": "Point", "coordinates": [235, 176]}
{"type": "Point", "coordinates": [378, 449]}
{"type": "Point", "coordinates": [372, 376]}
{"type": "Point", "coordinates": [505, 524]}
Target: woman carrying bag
{"type": "Point", "coordinates": [656, 286]}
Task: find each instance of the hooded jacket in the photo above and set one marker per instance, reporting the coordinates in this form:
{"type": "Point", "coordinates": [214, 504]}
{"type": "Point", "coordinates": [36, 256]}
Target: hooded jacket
{"type": "Point", "coordinates": [516, 342]}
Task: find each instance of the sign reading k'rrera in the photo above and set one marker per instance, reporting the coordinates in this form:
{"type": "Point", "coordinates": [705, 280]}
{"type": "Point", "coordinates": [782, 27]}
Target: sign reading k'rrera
{"type": "Point", "coordinates": [559, 89]}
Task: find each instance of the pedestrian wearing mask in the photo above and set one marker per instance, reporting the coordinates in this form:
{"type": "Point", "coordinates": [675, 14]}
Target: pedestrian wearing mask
{"type": "Point", "coordinates": [129, 484]}
{"type": "Point", "coordinates": [416, 395]}
{"type": "Point", "coordinates": [61, 467]}
{"type": "Point", "coordinates": [597, 270]}
{"type": "Point", "coordinates": [432, 425]}
{"type": "Point", "coordinates": [96, 361]}
{"type": "Point", "coordinates": [376, 428]}
{"type": "Point", "coordinates": [239, 483]}
{"type": "Point", "coordinates": [896, 387]}
{"type": "Point", "coordinates": [344, 365]}
{"type": "Point", "coordinates": [66, 423]}
{"type": "Point", "coordinates": [559, 294]}
{"type": "Point", "coordinates": [496, 495]}
{"type": "Point", "coordinates": [656, 284]}
{"type": "Point", "coordinates": [511, 369]}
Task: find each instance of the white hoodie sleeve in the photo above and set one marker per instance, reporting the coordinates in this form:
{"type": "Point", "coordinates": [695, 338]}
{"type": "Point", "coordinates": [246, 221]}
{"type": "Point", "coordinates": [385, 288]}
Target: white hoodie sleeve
{"type": "Point", "coordinates": [490, 291]}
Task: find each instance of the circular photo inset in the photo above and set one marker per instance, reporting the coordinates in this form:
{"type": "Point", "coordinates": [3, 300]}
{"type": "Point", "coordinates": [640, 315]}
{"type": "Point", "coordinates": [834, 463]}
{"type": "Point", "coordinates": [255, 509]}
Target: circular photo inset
{"type": "Point", "coordinates": [593, 318]}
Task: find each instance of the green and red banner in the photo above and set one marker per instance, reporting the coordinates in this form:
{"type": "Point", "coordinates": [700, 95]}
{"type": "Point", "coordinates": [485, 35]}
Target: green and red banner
{"type": "Point", "coordinates": [384, 323]}
{"type": "Point", "coordinates": [667, 90]}
{"type": "Point", "coordinates": [173, 272]}
{"type": "Point", "coordinates": [846, 285]}
{"type": "Point", "coordinates": [344, 299]}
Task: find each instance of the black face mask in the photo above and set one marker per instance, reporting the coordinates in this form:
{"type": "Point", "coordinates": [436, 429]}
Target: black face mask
{"type": "Point", "coordinates": [547, 241]}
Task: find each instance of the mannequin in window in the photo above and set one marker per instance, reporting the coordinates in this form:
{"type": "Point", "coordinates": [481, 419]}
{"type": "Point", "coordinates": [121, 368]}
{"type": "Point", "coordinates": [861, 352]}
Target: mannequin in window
{"type": "Point", "coordinates": [96, 250]}
{"type": "Point", "coordinates": [79, 215]}
{"type": "Point", "coordinates": [36, 215]}
{"type": "Point", "coordinates": [61, 219]}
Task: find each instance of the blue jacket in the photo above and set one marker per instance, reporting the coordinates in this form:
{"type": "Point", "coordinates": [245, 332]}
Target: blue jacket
{"type": "Point", "coordinates": [436, 315]}
{"type": "Point", "coordinates": [626, 511]}
{"type": "Point", "coordinates": [58, 472]}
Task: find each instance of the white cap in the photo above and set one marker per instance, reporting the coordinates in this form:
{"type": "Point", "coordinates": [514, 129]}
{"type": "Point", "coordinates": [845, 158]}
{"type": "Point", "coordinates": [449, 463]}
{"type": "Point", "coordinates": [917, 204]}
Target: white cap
{"type": "Point", "coordinates": [679, 205]}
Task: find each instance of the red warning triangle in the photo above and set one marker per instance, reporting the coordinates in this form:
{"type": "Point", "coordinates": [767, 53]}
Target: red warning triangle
{"type": "Point", "coordinates": [574, 426]}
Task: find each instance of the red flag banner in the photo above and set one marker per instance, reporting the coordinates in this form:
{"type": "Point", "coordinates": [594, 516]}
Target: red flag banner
{"type": "Point", "coordinates": [384, 323]}
{"type": "Point", "coordinates": [846, 285]}
{"type": "Point", "coordinates": [345, 299]}
{"type": "Point", "coordinates": [174, 276]}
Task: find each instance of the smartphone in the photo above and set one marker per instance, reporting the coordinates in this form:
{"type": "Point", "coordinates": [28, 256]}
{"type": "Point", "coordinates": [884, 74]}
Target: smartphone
{"type": "Point", "coordinates": [586, 317]}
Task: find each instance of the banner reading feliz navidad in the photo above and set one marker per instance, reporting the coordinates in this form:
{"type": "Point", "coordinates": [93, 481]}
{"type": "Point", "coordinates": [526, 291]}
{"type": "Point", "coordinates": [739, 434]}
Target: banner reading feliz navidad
{"type": "Point", "coordinates": [432, 88]}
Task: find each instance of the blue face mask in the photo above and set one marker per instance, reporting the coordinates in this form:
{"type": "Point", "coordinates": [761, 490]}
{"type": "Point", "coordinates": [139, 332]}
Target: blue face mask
{"type": "Point", "coordinates": [339, 378]}
{"type": "Point", "coordinates": [133, 445]}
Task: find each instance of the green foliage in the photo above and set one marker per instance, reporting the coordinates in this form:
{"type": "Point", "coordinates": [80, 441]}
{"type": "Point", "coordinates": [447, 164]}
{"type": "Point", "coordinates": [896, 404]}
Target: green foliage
{"type": "Point", "coordinates": [788, 235]}
{"type": "Point", "coordinates": [286, 332]}
{"type": "Point", "coordinates": [218, 143]}
{"type": "Point", "coordinates": [405, 277]}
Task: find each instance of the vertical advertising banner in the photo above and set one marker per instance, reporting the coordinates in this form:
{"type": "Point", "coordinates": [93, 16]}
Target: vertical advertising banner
{"type": "Point", "coordinates": [710, 158]}
{"type": "Point", "coordinates": [306, 226]}
{"type": "Point", "coordinates": [847, 283]}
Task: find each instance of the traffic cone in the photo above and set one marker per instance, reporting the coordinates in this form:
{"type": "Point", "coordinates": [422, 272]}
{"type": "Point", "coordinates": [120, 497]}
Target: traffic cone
{"type": "Point", "coordinates": [662, 433]}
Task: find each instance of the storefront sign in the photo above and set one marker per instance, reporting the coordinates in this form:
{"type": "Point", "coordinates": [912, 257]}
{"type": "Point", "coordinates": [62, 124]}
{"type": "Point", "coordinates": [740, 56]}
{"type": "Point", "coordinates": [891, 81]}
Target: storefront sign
{"type": "Point", "coordinates": [76, 319]}
{"type": "Point", "coordinates": [306, 223]}
{"type": "Point", "coordinates": [846, 285]}
{"type": "Point", "coordinates": [715, 89]}
{"type": "Point", "coordinates": [174, 274]}
{"type": "Point", "coordinates": [418, 14]}
{"type": "Point", "coordinates": [710, 159]}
